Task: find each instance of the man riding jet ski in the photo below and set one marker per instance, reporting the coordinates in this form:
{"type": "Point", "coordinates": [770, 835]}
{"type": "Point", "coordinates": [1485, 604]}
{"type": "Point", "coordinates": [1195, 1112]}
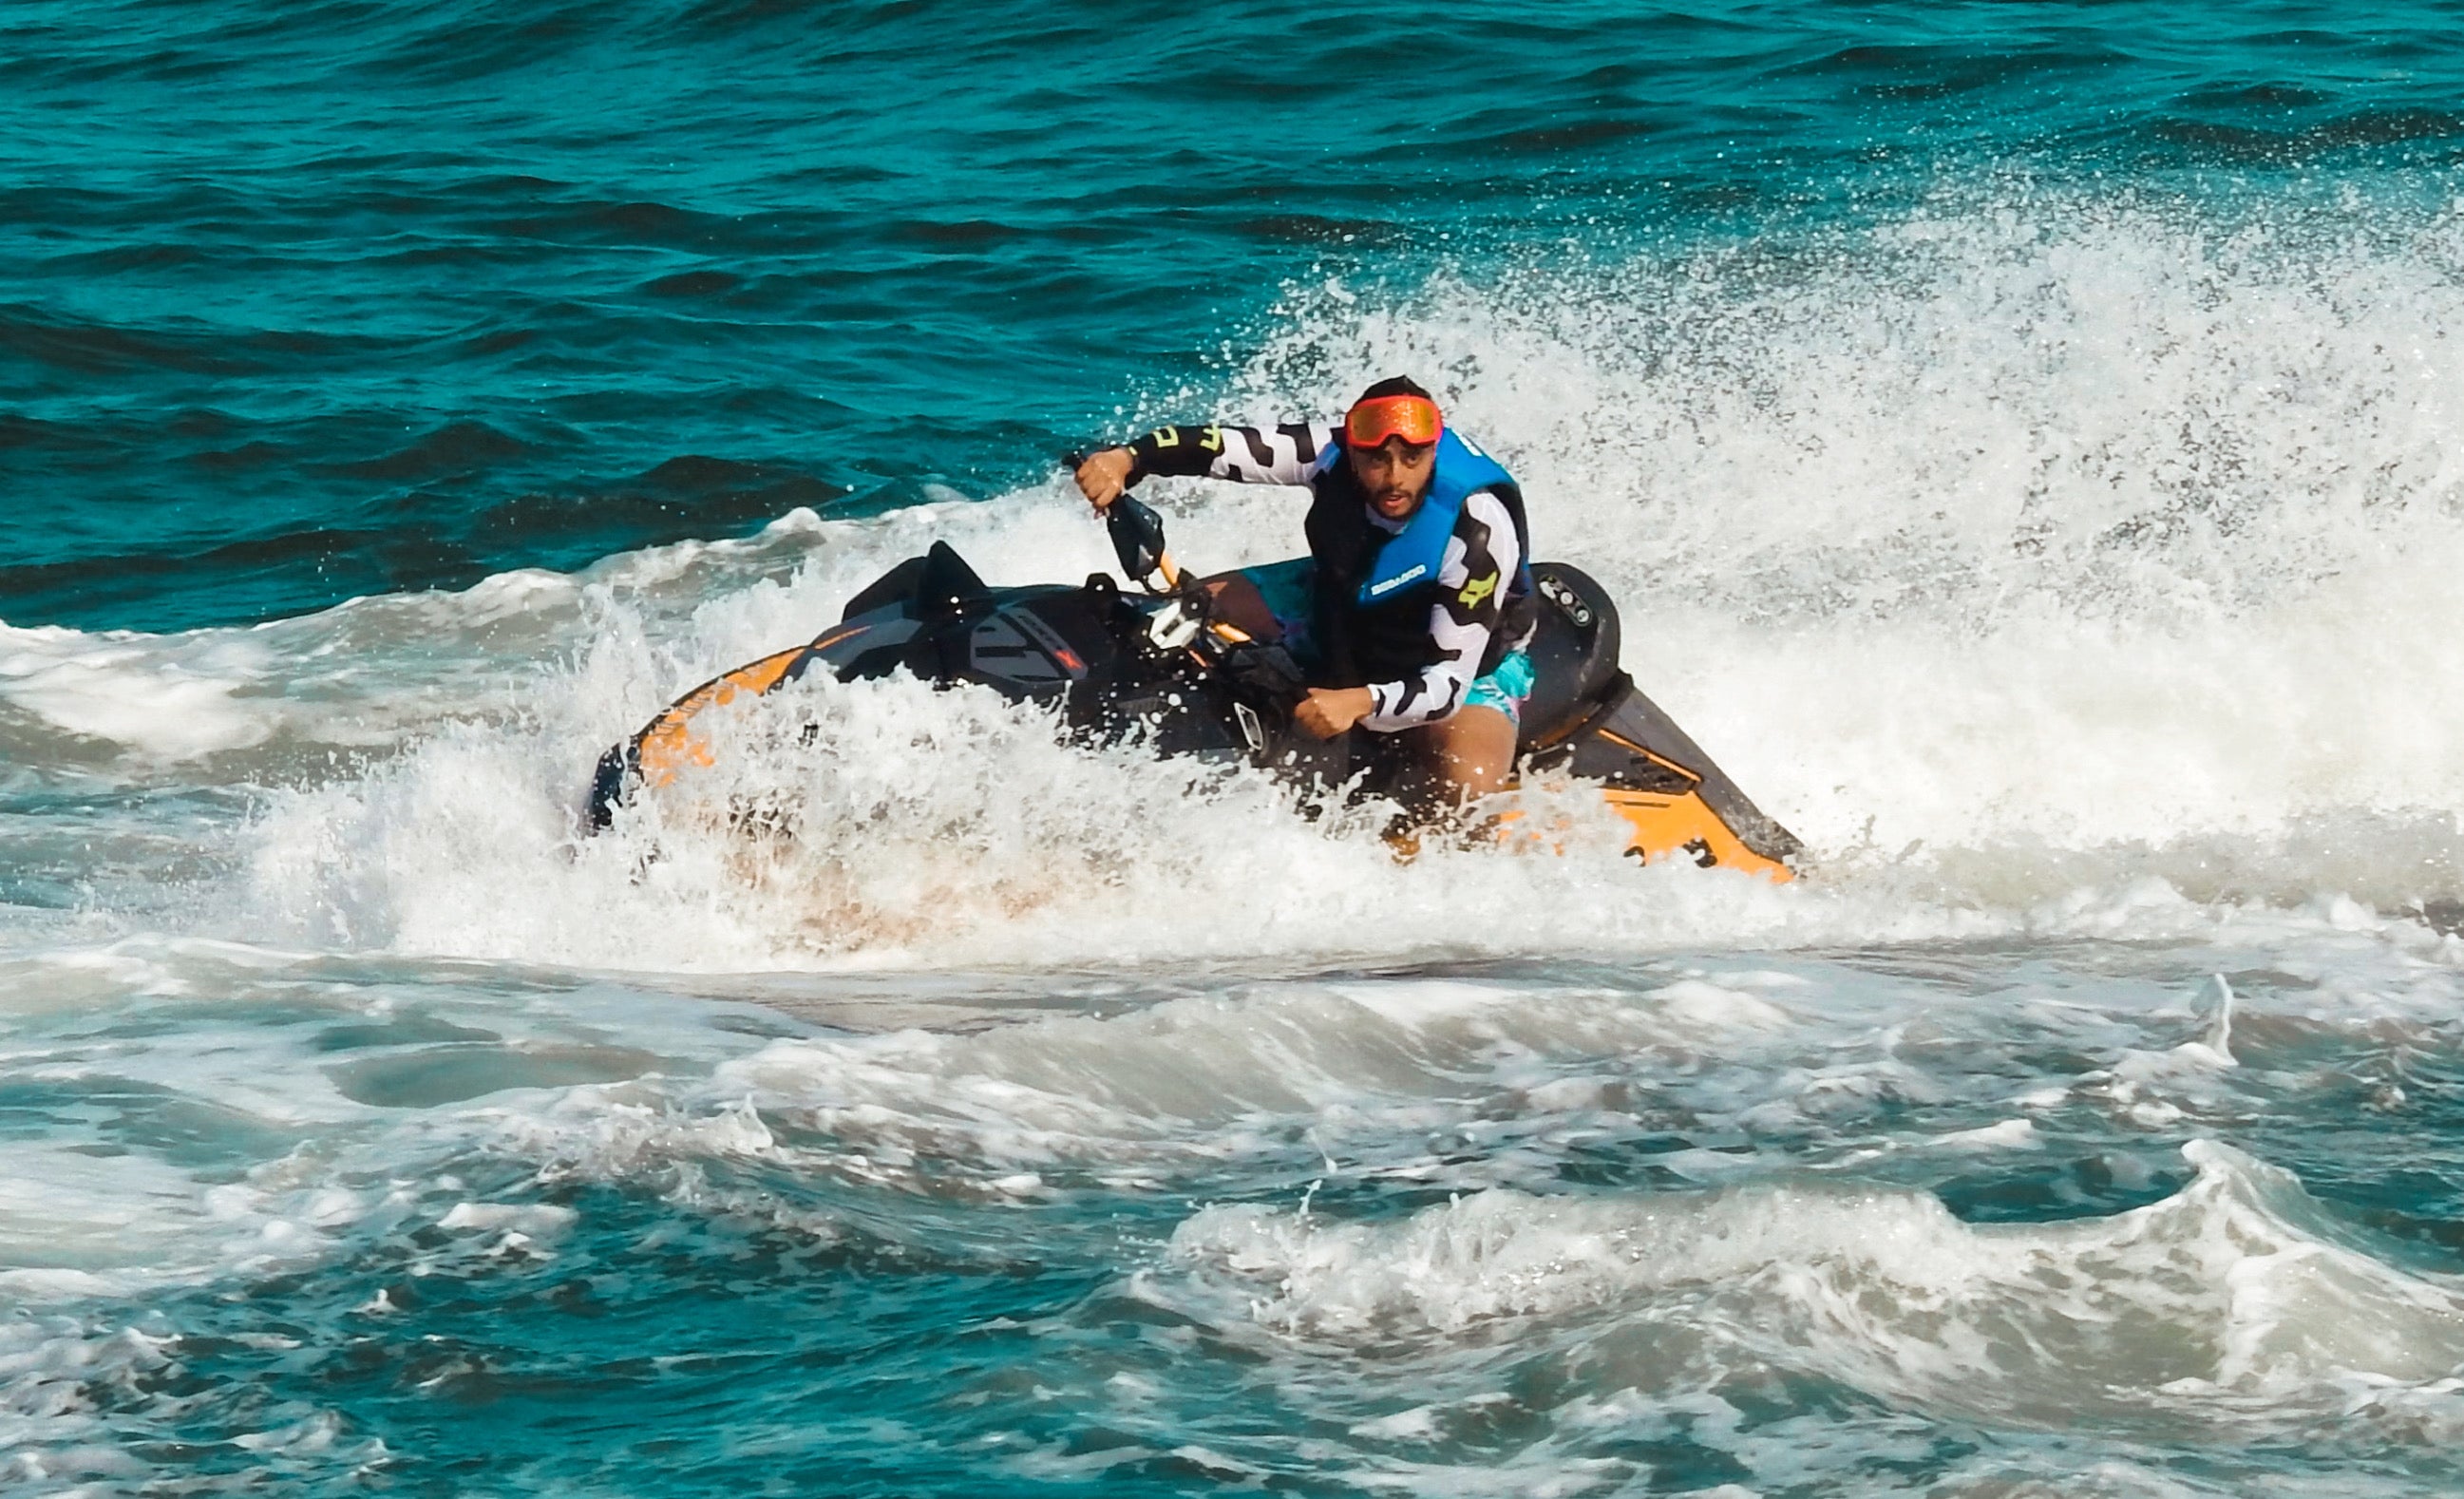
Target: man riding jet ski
{"type": "Point", "coordinates": [1438, 655]}
{"type": "Point", "coordinates": [1411, 614]}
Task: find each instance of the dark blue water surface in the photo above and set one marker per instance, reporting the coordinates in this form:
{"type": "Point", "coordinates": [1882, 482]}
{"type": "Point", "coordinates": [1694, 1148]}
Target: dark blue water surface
{"type": "Point", "coordinates": [299, 302]}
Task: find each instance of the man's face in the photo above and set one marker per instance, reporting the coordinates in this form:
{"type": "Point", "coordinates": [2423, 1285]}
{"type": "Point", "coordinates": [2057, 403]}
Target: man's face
{"type": "Point", "coordinates": [1395, 473]}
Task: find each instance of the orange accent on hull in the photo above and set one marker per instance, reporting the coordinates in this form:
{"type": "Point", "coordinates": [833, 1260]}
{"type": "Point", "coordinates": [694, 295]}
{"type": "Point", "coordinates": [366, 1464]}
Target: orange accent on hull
{"type": "Point", "coordinates": [1664, 827]}
{"type": "Point", "coordinates": [668, 744]}
{"type": "Point", "coordinates": [1684, 826]}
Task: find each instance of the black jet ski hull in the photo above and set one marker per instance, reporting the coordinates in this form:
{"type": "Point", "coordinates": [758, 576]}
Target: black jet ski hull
{"type": "Point", "coordinates": [1088, 651]}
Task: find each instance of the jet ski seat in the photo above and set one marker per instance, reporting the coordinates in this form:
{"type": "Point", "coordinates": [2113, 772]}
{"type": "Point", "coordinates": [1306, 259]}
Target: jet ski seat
{"type": "Point", "coordinates": [1573, 652]}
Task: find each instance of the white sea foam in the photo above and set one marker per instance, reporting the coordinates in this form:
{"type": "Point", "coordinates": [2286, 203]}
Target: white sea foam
{"type": "Point", "coordinates": [2234, 1301]}
{"type": "Point", "coordinates": [2064, 570]}
{"type": "Point", "coordinates": [2048, 571]}
{"type": "Point", "coordinates": [2088, 524]}
{"type": "Point", "coordinates": [2227, 1288]}
{"type": "Point", "coordinates": [2013, 559]}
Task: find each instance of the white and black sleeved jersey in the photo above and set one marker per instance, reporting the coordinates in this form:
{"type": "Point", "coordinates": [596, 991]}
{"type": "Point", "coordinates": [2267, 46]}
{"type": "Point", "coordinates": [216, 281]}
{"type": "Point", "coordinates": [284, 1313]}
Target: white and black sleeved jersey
{"type": "Point", "coordinates": [1288, 454]}
{"type": "Point", "coordinates": [1479, 562]}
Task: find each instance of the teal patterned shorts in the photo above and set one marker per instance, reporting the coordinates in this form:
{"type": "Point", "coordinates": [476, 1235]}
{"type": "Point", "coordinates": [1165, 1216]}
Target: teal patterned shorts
{"type": "Point", "coordinates": [1505, 688]}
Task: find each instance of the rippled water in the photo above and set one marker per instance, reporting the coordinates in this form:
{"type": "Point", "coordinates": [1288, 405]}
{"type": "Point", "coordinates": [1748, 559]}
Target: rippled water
{"type": "Point", "coordinates": [2023, 442]}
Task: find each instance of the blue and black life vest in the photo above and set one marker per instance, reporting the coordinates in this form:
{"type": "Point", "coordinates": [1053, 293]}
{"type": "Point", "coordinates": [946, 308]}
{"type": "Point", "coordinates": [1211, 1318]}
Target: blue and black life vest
{"type": "Point", "coordinates": [1376, 587]}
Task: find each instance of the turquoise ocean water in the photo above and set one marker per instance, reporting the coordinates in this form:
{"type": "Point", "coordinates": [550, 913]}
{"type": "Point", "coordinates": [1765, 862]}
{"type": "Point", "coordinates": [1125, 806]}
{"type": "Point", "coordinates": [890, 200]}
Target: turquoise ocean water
{"type": "Point", "coordinates": [2027, 443]}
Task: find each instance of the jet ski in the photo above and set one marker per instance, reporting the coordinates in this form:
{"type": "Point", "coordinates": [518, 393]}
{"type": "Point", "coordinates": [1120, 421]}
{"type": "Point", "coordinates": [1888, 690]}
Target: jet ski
{"type": "Point", "coordinates": [1156, 664]}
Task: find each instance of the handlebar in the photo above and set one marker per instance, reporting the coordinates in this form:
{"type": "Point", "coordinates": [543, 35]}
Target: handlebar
{"type": "Point", "coordinates": [1138, 539]}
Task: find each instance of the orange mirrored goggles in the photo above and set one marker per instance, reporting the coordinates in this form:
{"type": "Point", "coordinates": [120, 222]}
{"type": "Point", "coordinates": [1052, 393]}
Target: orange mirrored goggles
{"type": "Point", "coordinates": [1412, 418]}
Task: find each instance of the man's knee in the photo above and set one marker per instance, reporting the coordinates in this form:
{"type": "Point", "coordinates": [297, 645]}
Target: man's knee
{"type": "Point", "coordinates": [1476, 750]}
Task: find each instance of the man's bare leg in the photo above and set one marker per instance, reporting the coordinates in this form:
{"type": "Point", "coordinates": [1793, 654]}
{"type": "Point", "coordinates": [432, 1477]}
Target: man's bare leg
{"type": "Point", "coordinates": [1472, 752]}
{"type": "Point", "coordinates": [1454, 762]}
